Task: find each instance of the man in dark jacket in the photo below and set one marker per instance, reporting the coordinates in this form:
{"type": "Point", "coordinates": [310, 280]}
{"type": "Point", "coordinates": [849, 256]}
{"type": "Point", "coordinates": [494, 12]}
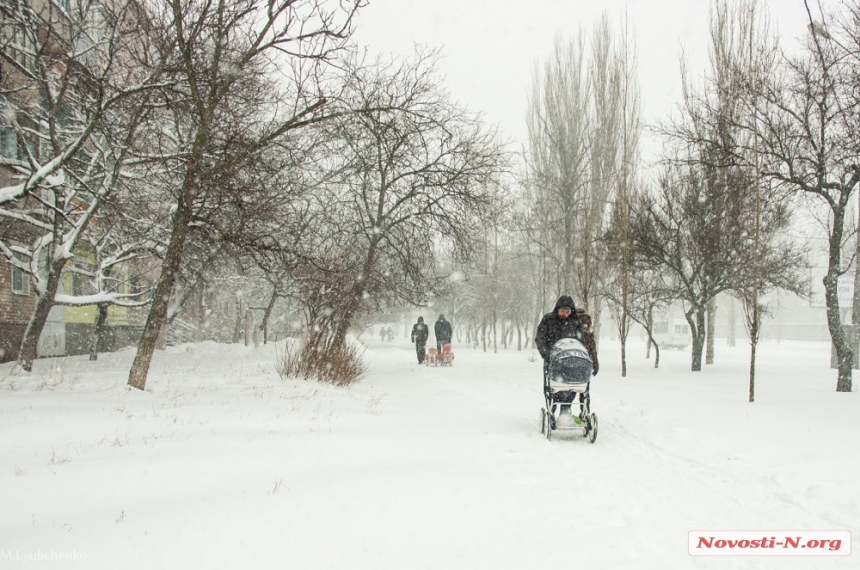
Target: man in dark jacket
{"type": "Point", "coordinates": [561, 323]}
{"type": "Point", "coordinates": [420, 332]}
{"type": "Point", "coordinates": [443, 331]}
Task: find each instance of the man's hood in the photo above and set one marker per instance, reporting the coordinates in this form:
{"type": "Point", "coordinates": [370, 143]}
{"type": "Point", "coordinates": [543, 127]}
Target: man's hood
{"type": "Point", "coordinates": [564, 301]}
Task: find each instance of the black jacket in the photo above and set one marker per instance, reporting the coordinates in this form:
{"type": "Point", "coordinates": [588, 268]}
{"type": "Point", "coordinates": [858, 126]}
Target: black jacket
{"type": "Point", "coordinates": [443, 330]}
{"type": "Point", "coordinates": [553, 328]}
{"type": "Point", "coordinates": [420, 332]}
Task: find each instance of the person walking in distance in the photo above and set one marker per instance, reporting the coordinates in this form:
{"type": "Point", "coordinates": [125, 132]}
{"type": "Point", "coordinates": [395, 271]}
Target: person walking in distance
{"type": "Point", "coordinates": [444, 332]}
{"type": "Point", "coordinates": [420, 332]}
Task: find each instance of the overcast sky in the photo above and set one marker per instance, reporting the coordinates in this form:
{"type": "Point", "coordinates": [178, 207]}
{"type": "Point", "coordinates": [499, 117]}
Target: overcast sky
{"type": "Point", "coordinates": [491, 46]}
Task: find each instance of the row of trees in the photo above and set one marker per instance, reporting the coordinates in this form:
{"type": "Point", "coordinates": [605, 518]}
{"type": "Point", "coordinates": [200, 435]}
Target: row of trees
{"type": "Point", "coordinates": [765, 133]}
{"type": "Point", "coordinates": [248, 137]}
{"type": "Point", "coordinates": [240, 132]}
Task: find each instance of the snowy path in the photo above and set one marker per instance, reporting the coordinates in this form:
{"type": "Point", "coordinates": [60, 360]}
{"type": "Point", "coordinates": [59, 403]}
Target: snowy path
{"type": "Point", "coordinates": [627, 500]}
{"type": "Point", "coordinates": [220, 464]}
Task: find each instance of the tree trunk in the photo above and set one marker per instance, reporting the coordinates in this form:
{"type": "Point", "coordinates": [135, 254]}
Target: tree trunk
{"type": "Point", "coordinates": [651, 342]}
{"type": "Point", "coordinates": [649, 323]}
{"type": "Point", "coordinates": [754, 329]}
{"type": "Point", "coordinates": [161, 343]}
{"type": "Point", "coordinates": [264, 326]}
{"type": "Point", "coordinates": [237, 325]}
{"type": "Point", "coordinates": [732, 321]}
{"type": "Point", "coordinates": [844, 354]}
{"type": "Point", "coordinates": [44, 303]}
{"type": "Point", "coordinates": [844, 351]}
{"type": "Point", "coordinates": [712, 315]}
{"type": "Point", "coordinates": [202, 317]}
{"type": "Point", "coordinates": [623, 359]}
{"type": "Point", "coordinates": [855, 302]}
{"type": "Point", "coordinates": [495, 343]}
{"type": "Point", "coordinates": [356, 294]}
{"type": "Point", "coordinates": [155, 320]}
{"type": "Point", "coordinates": [97, 331]}
{"type": "Point", "coordinates": [623, 331]}
{"type": "Point", "coordinates": [698, 329]}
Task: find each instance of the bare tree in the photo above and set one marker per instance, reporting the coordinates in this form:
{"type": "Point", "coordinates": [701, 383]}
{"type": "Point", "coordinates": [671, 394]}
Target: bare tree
{"type": "Point", "coordinates": [650, 294]}
{"type": "Point", "coordinates": [558, 157]}
{"type": "Point", "coordinates": [72, 108]}
{"type": "Point", "coordinates": [846, 33]}
{"type": "Point", "coordinates": [714, 155]}
{"type": "Point", "coordinates": [120, 247]}
{"type": "Point", "coordinates": [808, 133]}
{"type": "Point", "coordinates": [612, 122]}
{"type": "Point", "coordinates": [247, 74]}
{"type": "Point", "coordinates": [619, 286]}
{"type": "Point", "coordinates": [413, 174]}
{"type": "Point", "coordinates": [674, 233]}
{"type": "Point", "coordinates": [583, 121]}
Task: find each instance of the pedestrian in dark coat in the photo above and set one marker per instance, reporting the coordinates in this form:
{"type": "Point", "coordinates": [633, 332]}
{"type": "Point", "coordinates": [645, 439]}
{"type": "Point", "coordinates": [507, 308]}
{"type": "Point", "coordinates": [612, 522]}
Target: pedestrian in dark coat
{"type": "Point", "coordinates": [588, 338]}
{"type": "Point", "coordinates": [420, 332]}
{"type": "Point", "coordinates": [561, 323]}
{"type": "Point", "coordinates": [444, 331]}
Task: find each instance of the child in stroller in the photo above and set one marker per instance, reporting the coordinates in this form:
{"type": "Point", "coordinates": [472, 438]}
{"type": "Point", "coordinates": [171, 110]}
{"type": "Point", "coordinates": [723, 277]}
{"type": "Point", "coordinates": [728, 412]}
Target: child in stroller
{"type": "Point", "coordinates": [567, 374]}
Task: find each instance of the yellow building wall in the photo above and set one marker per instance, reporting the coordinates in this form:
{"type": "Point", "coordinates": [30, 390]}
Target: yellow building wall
{"type": "Point", "coordinates": [88, 314]}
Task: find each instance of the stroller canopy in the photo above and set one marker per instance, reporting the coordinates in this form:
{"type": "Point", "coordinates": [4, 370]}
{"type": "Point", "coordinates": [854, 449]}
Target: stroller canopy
{"type": "Point", "coordinates": [569, 362]}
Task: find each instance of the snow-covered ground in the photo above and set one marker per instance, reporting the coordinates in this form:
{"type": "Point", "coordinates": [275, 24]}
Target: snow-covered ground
{"type": "Point", "coordinates": [221, 464]}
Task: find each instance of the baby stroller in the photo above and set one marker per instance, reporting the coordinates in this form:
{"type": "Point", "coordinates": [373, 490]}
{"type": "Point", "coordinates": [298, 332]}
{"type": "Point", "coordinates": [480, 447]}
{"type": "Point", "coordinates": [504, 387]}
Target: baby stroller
{"type": "Point", "coordinates": [568, 374]}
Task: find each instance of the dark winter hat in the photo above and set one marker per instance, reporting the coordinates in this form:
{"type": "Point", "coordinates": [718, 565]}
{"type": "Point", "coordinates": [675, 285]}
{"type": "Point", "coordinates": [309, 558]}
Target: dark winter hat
{"type": "Point", "coordinates": [441, 316]}
{"type": "Point", "coordinates": [420, 319]}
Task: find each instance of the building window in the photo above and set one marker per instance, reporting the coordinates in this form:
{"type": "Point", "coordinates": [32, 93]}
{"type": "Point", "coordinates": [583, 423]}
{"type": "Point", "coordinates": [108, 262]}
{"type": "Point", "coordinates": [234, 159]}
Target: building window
{"type": "Point", "coordinates": [77, 284]}
{"type": "Point", "coordinates": [8, 143]}
{"type": "Point", "coordinates": [29, 140]}
{"type": "Point", "coordinates": [82, 284]}
{"type": "Point", "coordinates": [82, 278]}
{"type": "Point", "coordinates": [20, 278]}
{"type": "Point", "coordinates": [64, 4]}
{"type": "Point", "coordinates": [20, 43]}
{"type": "Point", "coordinates": [26, 56]}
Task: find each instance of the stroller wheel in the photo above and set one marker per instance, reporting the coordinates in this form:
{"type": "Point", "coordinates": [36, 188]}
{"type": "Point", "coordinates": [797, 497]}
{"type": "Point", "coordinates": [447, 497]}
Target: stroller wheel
{"type": "Point", "coordinates": [542, 421]}
{"type": "Point", "coordinates": [592, 431]}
